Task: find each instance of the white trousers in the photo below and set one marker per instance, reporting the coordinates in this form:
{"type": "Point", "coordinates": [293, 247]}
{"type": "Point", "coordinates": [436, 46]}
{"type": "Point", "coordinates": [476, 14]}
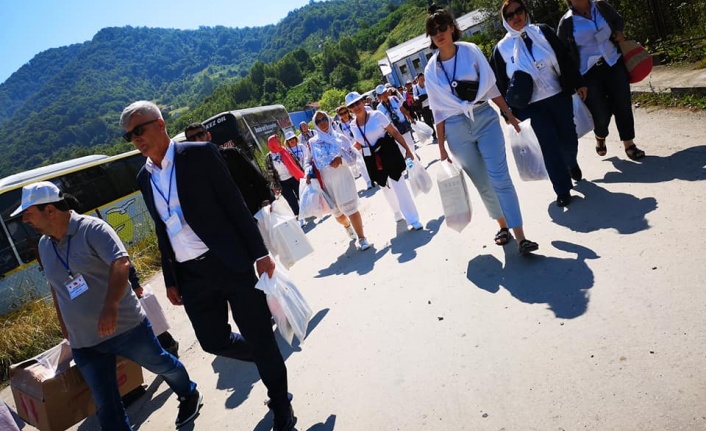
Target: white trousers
{"type": "Point", "coordinates": [400, 199]}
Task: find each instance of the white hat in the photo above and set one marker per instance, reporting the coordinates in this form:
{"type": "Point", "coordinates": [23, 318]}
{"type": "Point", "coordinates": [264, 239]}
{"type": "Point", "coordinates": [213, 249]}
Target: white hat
{"type": "Point", "coordinates": [353, 97]}
{"type": "Point", "coordinates": [289, 135]}
{"type": "Point", "coordinates": [39, 193]}
{"type": "Point", "coordinates": [388, 85]}
{"type": "Point", "coordinates": [380, 89]}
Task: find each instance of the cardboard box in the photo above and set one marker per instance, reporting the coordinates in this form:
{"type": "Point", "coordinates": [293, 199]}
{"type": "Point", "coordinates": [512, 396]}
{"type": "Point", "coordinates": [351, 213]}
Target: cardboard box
{"type": "Point", "coordinates": [51, 394]}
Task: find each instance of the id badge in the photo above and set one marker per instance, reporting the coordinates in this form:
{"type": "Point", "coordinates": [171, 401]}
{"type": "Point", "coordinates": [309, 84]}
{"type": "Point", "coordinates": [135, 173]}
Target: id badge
{"type": "Point", "coordinates": [173, 224]}
{"type": "Point", "coordinates": [76, 286]}
{"type": "Point", "coordinates": [540, 65]}
{"type": "Point", "coordinates": [366, 152]}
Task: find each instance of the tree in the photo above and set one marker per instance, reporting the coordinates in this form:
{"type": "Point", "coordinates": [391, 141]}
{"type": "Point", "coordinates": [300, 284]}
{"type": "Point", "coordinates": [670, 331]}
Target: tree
{"type": "Point", "coordinates": [331, 99]}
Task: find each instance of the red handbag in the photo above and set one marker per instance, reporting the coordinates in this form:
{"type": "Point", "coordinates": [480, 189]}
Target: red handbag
{"type": "Point", "coordinates": [637, 60]}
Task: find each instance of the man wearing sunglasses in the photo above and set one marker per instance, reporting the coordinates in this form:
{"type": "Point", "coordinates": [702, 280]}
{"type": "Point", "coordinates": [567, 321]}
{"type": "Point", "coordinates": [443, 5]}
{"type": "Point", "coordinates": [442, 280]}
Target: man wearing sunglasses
{"type": "Point", "coordinates": [209, 243]}
{"type": "Point", "coordinates": [250, 181]}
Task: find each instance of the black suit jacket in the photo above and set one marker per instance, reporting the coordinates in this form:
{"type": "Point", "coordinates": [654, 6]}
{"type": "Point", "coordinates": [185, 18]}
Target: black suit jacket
{"type": "Point", "coordinates": [250, 181]}
{"type": "Point", "coordinates": [212, 206]}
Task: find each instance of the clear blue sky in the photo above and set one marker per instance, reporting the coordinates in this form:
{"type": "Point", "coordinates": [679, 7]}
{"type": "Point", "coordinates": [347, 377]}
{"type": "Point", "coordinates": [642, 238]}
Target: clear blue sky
{"type": "Point", "coordinates": [28, 27]}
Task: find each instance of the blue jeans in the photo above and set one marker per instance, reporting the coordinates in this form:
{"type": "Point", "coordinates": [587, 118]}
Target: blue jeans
{"type": "Point", "coordinates": [97, 365]}
{"type": "Point", "coordinates": [479, 147]}
{"type": "Point", "coordinates": [608, 95]}
{"type": "Point", "coordinates": [553, 123]}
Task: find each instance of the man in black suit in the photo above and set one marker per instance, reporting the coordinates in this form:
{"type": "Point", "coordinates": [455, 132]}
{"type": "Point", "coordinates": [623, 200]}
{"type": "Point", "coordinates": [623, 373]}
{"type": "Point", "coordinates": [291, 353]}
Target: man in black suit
{"type": "Point", "coordinates": [209, 242]}
{"type": "Point", "coordinates": [251, 182]}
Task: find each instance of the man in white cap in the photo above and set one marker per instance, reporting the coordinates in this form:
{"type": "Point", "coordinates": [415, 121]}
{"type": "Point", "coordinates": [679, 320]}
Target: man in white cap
{"type": "Point", "coordinates": [395, 111]}
{"type": "Point", "coordinates": [87, 267]}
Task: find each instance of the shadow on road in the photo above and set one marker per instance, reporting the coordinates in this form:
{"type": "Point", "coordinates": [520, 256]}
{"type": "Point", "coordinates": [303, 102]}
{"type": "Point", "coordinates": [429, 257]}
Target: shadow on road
{"type": "Point", "coordinates": [686, 165]}
{"type": "Point", "coordinates": [601, 209]}
{"type": "Point", "coordinates": [354, 260]}
{"type": "Point", "coordinates": [561, 283]}
{"type": "Point", "coordinates": [406, 243]}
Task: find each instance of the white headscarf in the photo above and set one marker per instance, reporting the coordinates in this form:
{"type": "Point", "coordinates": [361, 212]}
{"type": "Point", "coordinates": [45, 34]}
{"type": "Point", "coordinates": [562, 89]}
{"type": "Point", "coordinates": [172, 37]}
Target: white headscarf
{"type": "Point", "coordinates": [523, 59]}
{"type": "Point", "coordinates": [326, 146]}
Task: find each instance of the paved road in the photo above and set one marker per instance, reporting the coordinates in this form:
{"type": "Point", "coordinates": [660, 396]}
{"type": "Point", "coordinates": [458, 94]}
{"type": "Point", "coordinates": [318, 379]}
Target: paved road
{"type": "Point", "coordinates": [437, 330]}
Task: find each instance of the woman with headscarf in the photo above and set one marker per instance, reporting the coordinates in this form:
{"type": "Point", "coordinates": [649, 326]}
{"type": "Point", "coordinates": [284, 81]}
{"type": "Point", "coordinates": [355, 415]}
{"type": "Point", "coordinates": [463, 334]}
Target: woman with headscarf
{"type": "Point", "coordinates": [459, 83]}
{"type": "Point", "coordinates": [284, 171]}
{"type": "Point", "coordinates": [534, 51]}
{"type": "Point", "coordinates": [327, 155]}
{"type": "Point", "coordinates": [592, 29]}
{"type": "Point", "coordinates": [375, 136]}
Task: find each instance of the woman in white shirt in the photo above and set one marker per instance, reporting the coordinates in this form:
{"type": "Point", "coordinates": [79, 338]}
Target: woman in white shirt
{"type": "Point", "coordinates": [459, 83]}
{"type": "Point", "coordinates": [375, 136]}
{"type": "Point", "coordinates": [329, 150]}
{"type": "Point", "coordinates": [534, 50]}
{"type": "Point", "coordinates": [284, 171]}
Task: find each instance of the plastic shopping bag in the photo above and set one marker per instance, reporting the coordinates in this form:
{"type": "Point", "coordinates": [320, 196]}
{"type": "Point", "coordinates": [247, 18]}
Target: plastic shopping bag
{"type": "Point", "coordinates": [527, 153]}
{"type": "Point", "coordinates": [454, 196]}
{"type": "Point", "coordinates": [348, 153]}
{"type": "Point", "coordinates": [282, 233]}
{"type": "Point", "coordinates": [425, 134]}
{"type": "Point", "coordinates": [286, 303]}
{"type": "Point", "coordinates": [153, 311]}
{"type": "Point", "coordinates": [313, 201]}
{"type": "Point", "coordinates": [582, 116]}
{"type": "Point", "coordinates": [419, 179]}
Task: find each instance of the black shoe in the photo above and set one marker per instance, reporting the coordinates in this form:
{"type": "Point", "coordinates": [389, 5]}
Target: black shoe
{"type": "Point", "coordinates": [563, 200]}
{"type": "Point", "coordinates": [189, 407]}
{"type": "Point", "coordinates": [285, 420]}
{"type": "Point", "coordinates": [576, 173]}
{"type": "Point", "coordinates": [173, 349]}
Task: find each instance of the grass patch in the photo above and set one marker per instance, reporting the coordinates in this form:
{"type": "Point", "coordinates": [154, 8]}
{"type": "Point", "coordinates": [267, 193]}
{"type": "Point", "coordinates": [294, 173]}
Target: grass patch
{"type": "Point", "coordinates": [34, 328]}
{"type": "Point", "coordinates": [689, 99]}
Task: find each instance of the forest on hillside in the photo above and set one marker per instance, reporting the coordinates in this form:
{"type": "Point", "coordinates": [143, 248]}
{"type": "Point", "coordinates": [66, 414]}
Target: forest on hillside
{"type": "Point", "coordinates": [66, 102]}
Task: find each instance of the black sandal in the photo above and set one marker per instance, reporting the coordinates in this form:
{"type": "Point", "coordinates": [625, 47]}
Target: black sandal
{"type": "Point", "coordinates": [503, 236]}
{"type": "Point", "coordinates": [527, 246]}
{"type": "Point", "coordinates": [601, 148]}
{"type": "Point", "coordinates": [634, 153]}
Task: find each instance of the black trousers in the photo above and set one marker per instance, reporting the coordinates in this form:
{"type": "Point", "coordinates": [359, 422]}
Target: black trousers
{"type": "Point", "coordinates": [609, 95]}
{"type": "Point", "coordinates": [207, 288]}
{"type": "Point", "coordinates": [429, 119]}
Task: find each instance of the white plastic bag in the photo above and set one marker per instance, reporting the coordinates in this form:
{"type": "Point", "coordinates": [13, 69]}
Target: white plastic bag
{"type": "Point", "coordinates": [527, 153]}
{"type": "Point", "coordinates": [425, 134]}
{"type": "Point", "coordinates": [454, 196]}
{"type": "Point", "coordinates": [419, 179]}
{"type": "Point", "coordinates": [153, 310]}
{"type": "Point", "coordinates": [348, 153]}
{"type": "Point", "coordinates": [582, 116]}
{"type": "Point", "coordinates": [282, 233]}
{"type": "Point", "coordinates": [286, 303]}
{"type": "Point", "coordinates": [313, 201]}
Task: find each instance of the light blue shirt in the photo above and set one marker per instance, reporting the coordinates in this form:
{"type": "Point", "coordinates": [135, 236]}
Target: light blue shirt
{"type": "Point", "coordinates": [592, 36]}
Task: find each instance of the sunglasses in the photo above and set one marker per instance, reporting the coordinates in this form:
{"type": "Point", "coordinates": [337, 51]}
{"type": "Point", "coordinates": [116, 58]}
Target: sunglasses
{"type": "Point", "coordinates": [321, 120]}
{"type": "Point", "coordinates": [342, 113]}
{"type": "Point", "coordinates": [439, 29]}
{"type": "Point", "coordinates": [517, 12]}
{"type": "Point", "coordinates": [196, 135]}
{"type": "Point", "coordinates": [137, 130]}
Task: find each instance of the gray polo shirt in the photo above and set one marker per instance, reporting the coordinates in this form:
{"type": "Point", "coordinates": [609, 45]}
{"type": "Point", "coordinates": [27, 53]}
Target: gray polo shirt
{"type": "Point", "coordinates": [92, 245]}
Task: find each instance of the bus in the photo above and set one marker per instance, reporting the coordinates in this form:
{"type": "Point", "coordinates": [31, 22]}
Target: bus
{"type": "Point", "coordinates": [106, 187]}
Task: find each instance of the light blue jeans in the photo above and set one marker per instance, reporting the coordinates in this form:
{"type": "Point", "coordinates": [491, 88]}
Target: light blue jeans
{"type": "Point", "coordinates": [97, 365]}
{"type": "Point", "coordinates": [479, 147]}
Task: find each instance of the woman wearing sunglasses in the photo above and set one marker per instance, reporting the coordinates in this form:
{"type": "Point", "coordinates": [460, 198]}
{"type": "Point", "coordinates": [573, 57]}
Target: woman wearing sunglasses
{"type": "Point", "coordinates": [459, 83]}
{"type": "Point", "coordinates": [376, 137]}
{"type": "Point", "coordinates": [536, 52]}
{"type": "Point", "coordinates": [344, 127]}
{"type": "Point", "coordinates": [328, 150]}
{"type": "Point", "coordinates": [591, 30]}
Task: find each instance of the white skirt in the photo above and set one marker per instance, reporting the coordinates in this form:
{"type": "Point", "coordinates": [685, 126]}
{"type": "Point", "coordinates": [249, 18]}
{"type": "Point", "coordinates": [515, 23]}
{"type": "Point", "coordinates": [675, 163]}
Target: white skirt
{"type": "Point", "coordinates": [340, 185]}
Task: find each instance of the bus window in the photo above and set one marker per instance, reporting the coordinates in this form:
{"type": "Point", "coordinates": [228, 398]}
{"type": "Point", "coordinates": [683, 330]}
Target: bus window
{"type": "Point", "coordinates": [90, 186]}
{"type": "Point", "coordinates": [122, 176]}
{"type": "Point", "coordinates": [7, 256]}
{"type": "Point", "coordinates": [25, 239]}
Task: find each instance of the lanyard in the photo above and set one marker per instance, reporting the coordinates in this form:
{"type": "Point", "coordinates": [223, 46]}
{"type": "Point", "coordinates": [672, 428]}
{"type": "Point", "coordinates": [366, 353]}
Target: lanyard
{"type": "Point", "coordinates": [295, 153]}
{"type": "Point", "coordinates": [169, 191]}
{"type": "Point", "coordinates": [65, 263]}
{"type": "Point", "coordinates": [528, 43]}
{"type": "Point", "coordinates": [362, 132]}
{"type": "Point", "coordinates": [452, 82]}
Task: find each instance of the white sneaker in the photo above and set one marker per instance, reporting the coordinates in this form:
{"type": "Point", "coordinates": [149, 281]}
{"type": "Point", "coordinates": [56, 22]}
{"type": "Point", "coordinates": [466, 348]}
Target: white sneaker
{"type": "Point", "coordinates": [416, 226]}
{"type": "Point", "coordinates": [351, 233]}
{"type": "Point", "coordinates": [364, 244]}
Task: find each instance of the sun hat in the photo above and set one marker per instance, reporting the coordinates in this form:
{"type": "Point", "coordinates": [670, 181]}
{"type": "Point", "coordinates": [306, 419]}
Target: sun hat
{"type": "Point", "coordinates": [289, 135]}
{"type": "Point", "coordinates": [42, 192]}
{"type": "Point", "coordinates": [353, 97]}
{"type": "Point", "coordinates": [388, 85]}
{"type": "Point", "coordinates": [380, 89]}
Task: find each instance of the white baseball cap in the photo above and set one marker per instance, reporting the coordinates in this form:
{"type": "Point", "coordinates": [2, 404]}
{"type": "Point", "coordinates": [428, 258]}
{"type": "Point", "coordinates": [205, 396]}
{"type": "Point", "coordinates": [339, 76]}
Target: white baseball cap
{"type": "Point", "coordinates": [289, 135]}
{"type": "Point", "coordinates": [39, 193]}
{"type": "Point", "coordinates": [380, 89]}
